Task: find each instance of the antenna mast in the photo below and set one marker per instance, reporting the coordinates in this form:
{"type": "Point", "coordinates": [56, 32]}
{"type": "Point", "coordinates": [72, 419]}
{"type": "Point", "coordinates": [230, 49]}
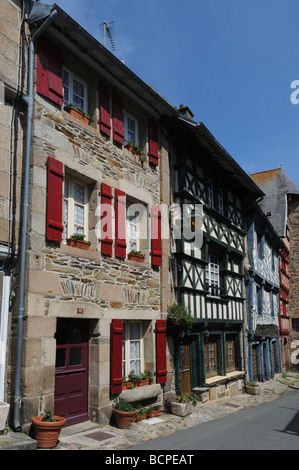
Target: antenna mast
{"type": "Point", "coordinates": [108, 30]}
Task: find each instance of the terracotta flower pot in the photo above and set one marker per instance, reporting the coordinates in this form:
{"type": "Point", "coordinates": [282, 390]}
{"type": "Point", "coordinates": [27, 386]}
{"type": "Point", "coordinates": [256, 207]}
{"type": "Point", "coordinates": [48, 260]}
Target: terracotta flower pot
{"type": "Point", "coordinates": [143, 382]}
{"type": "Point", "coordinates": [154, 413]}
{"type": "Point", "coordinates": [47, 432]}
{"type": "Point", "coordinates": [129, 385]}
{"type": "Point", "coordinates": [138, 259]}
{"type": "Point", "coordinates": [78, 115]}
{"type": "Point", "coordinates": [78, 243]}
{"type": "Point", "coordinates": [124, 419]}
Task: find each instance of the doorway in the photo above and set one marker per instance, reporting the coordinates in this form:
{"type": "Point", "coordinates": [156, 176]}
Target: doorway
{"type": "Point", "coordinates": [71, 370]}
{"type": "Point", "coordinates": [185, 368]}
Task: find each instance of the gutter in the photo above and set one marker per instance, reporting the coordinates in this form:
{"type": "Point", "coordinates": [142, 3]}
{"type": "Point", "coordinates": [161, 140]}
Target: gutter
{"type": "Point", "coordinates": [29, 100]}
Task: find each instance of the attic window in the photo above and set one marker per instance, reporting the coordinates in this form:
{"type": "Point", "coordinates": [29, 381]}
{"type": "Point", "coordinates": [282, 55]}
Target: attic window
{"type": "Point", "coordinates": [75, 90]}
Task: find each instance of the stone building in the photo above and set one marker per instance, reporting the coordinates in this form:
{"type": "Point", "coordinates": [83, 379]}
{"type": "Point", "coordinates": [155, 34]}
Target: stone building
{"type": "Point", "coordinates": [12, 123]}
{"type": "Point", "coordinates": [280, 204]}
{"type": "Point", "coordinates": [81, 319]}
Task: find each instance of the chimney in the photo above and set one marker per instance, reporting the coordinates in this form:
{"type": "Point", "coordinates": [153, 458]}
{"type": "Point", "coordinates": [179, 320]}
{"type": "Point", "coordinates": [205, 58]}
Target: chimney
{"type": "Point", "coordinates": [186, 111]}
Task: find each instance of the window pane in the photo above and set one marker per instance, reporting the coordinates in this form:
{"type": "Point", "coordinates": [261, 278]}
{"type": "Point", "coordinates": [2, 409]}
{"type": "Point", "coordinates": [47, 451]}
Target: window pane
{"type": "Point", "coordinates": [135, 365]}
{"type": "Point", "coordinates": [79, 215]}
{"type": "Point", "coordinates": [78, 88]}
{"type": "Point", "coordinates": [79, 193]}
{"type": "Point", "coordinates": [60, 358]}
{"type": "Point", "coordinates": [134, 330]}
{"type": "Point", "coordinates": [75, 356]}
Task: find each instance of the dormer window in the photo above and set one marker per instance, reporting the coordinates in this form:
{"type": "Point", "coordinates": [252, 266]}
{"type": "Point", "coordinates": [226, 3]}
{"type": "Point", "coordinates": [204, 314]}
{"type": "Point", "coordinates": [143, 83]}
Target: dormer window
{"type": "Point", "coordinates": [131, 128]}
{"type": "Point", "coordinates": [75, 90]}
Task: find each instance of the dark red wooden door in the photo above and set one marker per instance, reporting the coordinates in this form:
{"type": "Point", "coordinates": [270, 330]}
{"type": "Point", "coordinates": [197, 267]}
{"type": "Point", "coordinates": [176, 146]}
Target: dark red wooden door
{"type": "Point", "coordinates": [71, 372]}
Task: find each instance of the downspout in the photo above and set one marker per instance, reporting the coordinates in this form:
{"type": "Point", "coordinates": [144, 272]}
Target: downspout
{"type": "Point", "coordinates": [29, 101]}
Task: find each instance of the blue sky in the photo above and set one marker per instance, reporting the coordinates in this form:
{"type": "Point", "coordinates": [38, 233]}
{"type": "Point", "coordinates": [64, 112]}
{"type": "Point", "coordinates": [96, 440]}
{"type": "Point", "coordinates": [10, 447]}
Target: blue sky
{"type": "Point", "coordinates": [231, 61]}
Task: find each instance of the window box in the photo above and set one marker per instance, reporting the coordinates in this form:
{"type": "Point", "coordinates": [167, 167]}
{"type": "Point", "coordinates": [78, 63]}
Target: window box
{"type": "Point", "coordinates": [136, 256]}
{"type": "Point", "coordinates": [129, 385]}
{"type": "Point", "coordinates": [77, 243]}
{"type": "Point", "coordinates": [78, 114]}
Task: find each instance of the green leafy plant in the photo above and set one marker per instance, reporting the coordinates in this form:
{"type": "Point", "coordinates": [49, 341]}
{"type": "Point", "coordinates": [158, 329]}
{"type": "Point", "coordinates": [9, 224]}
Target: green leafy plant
{"type": "Point", "coordinates": [187, 398]}
{"type": "Point", "coordinates": [179, 316]}
{"type": "Point", "coordinates": [122, 405]}
{"type": "Point", "coordinates": [147, 375]}
{"type": "Point", "coordinates": [80, 237]}
{"type": "Point", "coordinates": [68, 106]}
{"type": "Point", "coordinates": [49, 417]}
{"type": "Point", "coordinates": [133, 377]}
{"type": "Point", "coordinates": [137, 253]}
{"type": "Point", "coordinates": [252, 384]}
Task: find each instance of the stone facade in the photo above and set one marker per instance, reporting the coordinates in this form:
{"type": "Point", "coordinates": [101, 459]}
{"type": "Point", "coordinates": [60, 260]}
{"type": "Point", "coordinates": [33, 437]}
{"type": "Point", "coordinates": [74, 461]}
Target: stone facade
{"type": "Point", "coordinates": [67, 285]}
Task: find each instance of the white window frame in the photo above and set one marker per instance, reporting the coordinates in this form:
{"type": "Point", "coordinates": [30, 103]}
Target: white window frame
{"type": "Point", "coordinates": [126, 130]}
{"type": "Point", "coordinates": [72, 76]}
{"type": "Point", "coordinates": [127, 340]}
{"type": "Point", "coordinates": [213, 275]}
{"type": "Point", "coordinates": [136, 224]}
{"type": "Point", "coordinates": [71, 207]}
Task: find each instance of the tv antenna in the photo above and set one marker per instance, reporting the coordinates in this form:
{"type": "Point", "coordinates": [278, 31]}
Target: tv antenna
{"type": "Point", "coordinates": [107, 30]}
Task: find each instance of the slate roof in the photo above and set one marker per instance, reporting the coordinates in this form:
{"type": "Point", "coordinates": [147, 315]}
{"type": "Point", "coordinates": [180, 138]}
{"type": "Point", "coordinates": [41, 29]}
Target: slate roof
{"type": "Point", "coordinates": [276, 185]}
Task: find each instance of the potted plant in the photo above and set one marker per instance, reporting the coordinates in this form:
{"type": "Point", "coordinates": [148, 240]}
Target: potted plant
{"type": "Point", "coordinates": [183, 405]}
{"type": "Point", "coordinates": [153, 411]}
{"type": "Point", "coordinates": [136, 256]}
{"type": "Point", "coordinates": [179, 317]}
{"type": "Point", "coordinates": [124, 414]}
{"type": "Point", "coordinates": [78, 113]}
{"type": "Point", "coordinates": [137, 150]}
{"type": "Point", "coordinates": [77, 240]}
{"type": "Point", "coordinates": [252, 388]}
{"type": "Point", "coordinates": [4, 409]}
{"type": "Point", "coordinates": [146, 378]}
{"type": "Point", "coordinates": [140, 414]}
{"type": "Point", "coordinates": [129, 145]}
{"type": "Point", "coordinates": [128, 383]}
{"type": "Point", "coordinates": [47, 429]}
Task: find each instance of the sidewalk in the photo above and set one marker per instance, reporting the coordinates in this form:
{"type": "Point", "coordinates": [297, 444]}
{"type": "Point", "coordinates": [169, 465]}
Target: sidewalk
{"type": "Point", "coordinates": [91, 436]}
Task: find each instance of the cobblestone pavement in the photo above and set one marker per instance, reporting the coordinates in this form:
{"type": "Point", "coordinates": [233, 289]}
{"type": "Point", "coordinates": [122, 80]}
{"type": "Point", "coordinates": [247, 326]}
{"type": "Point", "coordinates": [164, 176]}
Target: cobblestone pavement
{"type": "Point", "coordinates": [94, 437]}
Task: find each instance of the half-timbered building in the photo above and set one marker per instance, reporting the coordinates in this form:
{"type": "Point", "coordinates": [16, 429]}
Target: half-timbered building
{"type": "Point", "coordinates": [209, 275]}
{"type": "Point", "coordinates": [262, 286]}
{"type": "Point", "coordinates": [280, 204]}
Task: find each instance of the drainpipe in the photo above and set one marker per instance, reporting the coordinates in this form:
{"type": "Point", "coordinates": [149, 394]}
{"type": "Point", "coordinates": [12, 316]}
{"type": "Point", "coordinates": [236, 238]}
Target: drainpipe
{"type": "Point", "coordinates": [29, 101]}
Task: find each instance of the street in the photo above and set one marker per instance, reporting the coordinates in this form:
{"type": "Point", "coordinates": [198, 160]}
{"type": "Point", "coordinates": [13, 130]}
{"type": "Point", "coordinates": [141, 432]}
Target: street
{"type": "Point", "coordinates": [270, 426]}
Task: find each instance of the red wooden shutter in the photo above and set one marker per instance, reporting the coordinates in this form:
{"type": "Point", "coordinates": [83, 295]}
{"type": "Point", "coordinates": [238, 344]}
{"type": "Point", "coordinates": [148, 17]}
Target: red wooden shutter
{"type": "Point", "coordinates": [156, 236]}
{"type": "Point", "coordinates": [105, 124]}
{"type": "Point", "coordinates": [106, 200]}
{"type": "Point", "coordinates": [120, 224]}
{"type": "Point", "coordinates": [153, 142]}
{"type": "Point", "coordinates": [161, 371]}
{"type": "Point", "coordinates": [116, 378]}
{"type": "Point", "coordinates": [117, 120]}
{"type": "Point", "coordinates": [54, 227]}
{"type": "Point", "coordinates": [49, 72]}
